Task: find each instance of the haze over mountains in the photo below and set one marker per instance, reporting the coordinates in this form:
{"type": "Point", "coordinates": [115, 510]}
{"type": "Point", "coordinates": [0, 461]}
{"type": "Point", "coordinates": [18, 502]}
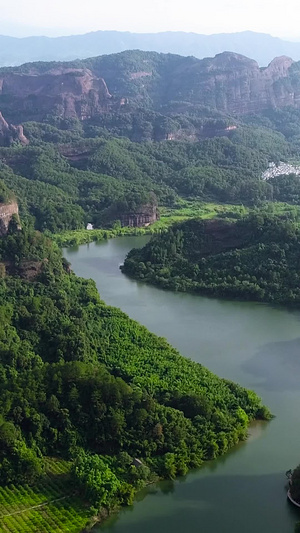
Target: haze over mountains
{"type": "Point", "coordinates": [119, 84]}
{"type": "Point", "coordinates": [259, 46]}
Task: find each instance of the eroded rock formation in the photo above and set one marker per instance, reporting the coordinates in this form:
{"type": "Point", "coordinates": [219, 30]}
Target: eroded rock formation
{"type": "Point", "coordinates": [228, 82]}
{"type": "Point", "coordinates": [69, 92]}
{"type": "Point", "coordinates": [7, 211]}
{"type": "Point", "coordinates": [10, 133]}
{"type": "Point", "coordinates": [233, 83]}
{"type": "Point", "coordinates": [144, 216]}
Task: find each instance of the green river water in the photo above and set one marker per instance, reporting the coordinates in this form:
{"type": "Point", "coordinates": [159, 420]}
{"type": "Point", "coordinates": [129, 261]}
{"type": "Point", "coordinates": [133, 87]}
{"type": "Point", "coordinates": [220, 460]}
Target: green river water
{"type": "Point", "coordinates": [257, 346]}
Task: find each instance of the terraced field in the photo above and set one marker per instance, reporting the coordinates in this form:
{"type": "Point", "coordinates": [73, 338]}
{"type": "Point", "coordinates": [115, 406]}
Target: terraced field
{"type": "Point", "coordinates": [51, 506]}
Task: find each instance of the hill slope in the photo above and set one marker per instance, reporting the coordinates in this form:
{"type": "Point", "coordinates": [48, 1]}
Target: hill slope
{"type": "Point", "coordinates": [256, 258]}
{"type": "Point", "coordinates": [79, 378]}
{"type": "Point", "coordinates": [229, 83]}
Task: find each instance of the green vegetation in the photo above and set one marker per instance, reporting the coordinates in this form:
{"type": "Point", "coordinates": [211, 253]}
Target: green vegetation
{"type": "Point", "coordinates": [95, 170]}
{"type": "Point", "coordinates": [5, 193]}
{"type": "Point", "coordinates": [81, 381]}
{"type": "Point", "coordinates": [184, 210]}
{"type": "Point", "coordinates": [64, 185]}
{"type": "Point", "coordinates": [48, 506]}
{"type": "Point", "coordinates": [254, 258]}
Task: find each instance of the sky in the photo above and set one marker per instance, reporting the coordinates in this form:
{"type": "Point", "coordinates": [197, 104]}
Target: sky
{"type": "Point", "coordinates": [22, 18]}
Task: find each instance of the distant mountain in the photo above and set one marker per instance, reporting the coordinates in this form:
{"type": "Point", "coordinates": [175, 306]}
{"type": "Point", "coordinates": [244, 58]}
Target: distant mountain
{"type": "Point", "coordinates": [261, 47]}
{"type": "Point", "coordinates": [113, 87]}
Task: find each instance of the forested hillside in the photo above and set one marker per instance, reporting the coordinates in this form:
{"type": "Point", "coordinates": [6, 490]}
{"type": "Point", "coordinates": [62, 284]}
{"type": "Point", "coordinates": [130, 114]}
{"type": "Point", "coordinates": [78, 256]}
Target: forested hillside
{"type": "Point", "coordinates": [105, 137]}
{"type": "Point", "coordinates": [163, 84]}
{"type": "Point", "coordinates": [116, 406]}
{"type": "Point", "coordinates": [255, 258]}
{"type": "Point", "coordinates": [64, 180]}
{"type": "Point", "coordinates": [79, 378]}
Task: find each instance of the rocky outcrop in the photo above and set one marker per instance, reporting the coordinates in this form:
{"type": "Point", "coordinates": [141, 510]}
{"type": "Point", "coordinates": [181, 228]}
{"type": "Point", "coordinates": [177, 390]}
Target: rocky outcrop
{"type": "Point", "coordinates": [10, 133]}
{"type": "Point", "coordinates": [229, 82]}
{"type": "Point", "coordinates": [7, 211]}
{"type": "Point", "coordinates": [66, 92]}
{"type": "Point", "coordinates": [28, 270]}
{"type": "Point", "coordinates": [144, 216]}
{"type": "Point", "coordinates": [237, 85]}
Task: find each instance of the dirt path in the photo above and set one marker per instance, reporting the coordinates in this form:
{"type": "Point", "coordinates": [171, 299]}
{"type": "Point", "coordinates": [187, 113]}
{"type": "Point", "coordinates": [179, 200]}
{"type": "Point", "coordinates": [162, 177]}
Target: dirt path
{"type": "Point", "coordinates": [35, 506]}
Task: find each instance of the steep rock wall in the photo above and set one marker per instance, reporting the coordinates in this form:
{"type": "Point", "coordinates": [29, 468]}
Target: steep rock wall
{"type": "Point", "coordinates": [228, 82]}
{"type": "Point", "coordinates": [144, 216]}
{"type": "Point", "coordinates": [67, 92]}
{"type": "Point", "coordinates": [10, 133]}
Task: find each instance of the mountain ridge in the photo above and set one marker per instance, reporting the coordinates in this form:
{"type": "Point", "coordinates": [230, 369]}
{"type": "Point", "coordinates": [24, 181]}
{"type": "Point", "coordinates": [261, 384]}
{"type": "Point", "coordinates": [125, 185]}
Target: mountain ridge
{"type": "Point", "coordinates": [263, 47]}
{"type": "Point", "coordinates": [119, 84]}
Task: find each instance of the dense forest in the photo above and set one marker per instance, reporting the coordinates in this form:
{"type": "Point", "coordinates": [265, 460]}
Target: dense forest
{"type": "Point", "coordinates": [79, 380]}
{"type": "Point", "coordinates": [63, 181]}
{"type": "Point", "coordinates": [82, 381]}
{"type": "Point", "coordinates": [5, 194]}
{"type": "Point", "coordinates": [94, 168]}
{"type": "Point", "coordinates": [255, 258]}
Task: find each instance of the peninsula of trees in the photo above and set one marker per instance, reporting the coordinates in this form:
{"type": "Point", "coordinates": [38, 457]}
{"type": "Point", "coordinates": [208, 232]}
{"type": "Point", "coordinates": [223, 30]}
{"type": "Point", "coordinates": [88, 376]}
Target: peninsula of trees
{"type": "Point", "coordinates": [83, 382]}
{"type": "Point", "coordinates": [255, 258]}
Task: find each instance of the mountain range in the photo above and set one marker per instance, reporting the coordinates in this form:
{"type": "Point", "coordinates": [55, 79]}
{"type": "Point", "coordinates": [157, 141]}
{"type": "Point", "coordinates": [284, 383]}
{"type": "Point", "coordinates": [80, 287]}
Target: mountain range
{"type": "Point", "coordinates": [147, 86]}
{"type": "Point", "coordinates": [261, 47]}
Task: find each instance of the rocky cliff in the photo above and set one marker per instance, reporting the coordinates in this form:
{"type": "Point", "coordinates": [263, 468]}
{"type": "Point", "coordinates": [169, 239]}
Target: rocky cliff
{"type": "Point", "coordinates": [144, 216]}
{"type": "Point", "coordinates": [10, 133]}
{"type": "Point", "coordinates": [67, 92]}
{"type": "Point", "coordinates": [235, 84]}
{"type": "Point", "coordinates": [229, 82]}
{"type": "Point", "coordinates": [7, 211]}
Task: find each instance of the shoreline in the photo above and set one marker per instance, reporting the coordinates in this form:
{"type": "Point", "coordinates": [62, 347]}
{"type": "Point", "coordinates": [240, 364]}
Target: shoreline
{"type": "Point", "coordinates": [292, 500]}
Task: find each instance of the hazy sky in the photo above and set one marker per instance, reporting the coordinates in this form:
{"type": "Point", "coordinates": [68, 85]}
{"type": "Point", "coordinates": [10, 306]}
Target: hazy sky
{"type": "Point", "coordinates": [64, 17]}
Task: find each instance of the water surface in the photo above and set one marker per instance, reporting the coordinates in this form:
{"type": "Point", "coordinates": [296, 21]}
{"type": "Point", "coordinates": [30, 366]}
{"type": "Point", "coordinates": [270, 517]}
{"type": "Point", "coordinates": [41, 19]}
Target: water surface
{"type": "Point", "coordinates": [253, 344]}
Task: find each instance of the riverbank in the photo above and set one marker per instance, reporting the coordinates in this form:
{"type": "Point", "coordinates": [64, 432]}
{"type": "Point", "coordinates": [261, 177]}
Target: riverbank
{"type": "Point", "coordinates": [252, 344]}
{"type": "Point", "coordinates": [254, 258]}
{"type": "Point", "coordinates": [292, 500]}
{"type": "Point", "coordinates": [168, 216]}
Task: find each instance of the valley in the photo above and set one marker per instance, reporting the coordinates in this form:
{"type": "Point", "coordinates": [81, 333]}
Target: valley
{"type": "Point", "coordinates": [167, 153]}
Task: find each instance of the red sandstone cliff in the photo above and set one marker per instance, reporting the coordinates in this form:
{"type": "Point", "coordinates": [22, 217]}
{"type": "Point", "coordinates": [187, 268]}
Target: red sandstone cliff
{"type": "Point", "coordinates": [70, 92]}
{"type": "Point", "coordinates": [143, 216]}
{"type": "Point", "coordinates": [228, 82]}
{"type": "Point", "coordinates": [235, 84]}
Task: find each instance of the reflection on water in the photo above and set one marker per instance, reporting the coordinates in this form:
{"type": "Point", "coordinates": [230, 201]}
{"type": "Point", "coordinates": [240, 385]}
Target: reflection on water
{"type": "Point", "coordinates": [218, 504]}
{"type": "Point", "coordinates": [277, 365]}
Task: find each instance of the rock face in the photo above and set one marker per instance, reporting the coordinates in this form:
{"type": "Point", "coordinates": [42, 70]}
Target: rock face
{"type": "Point", "coordinates": [235, 84]}
{"type": "Point", "coordinates": [69, 92]}
{"type": "Point", "coordinates": [229, 82]}
{"type": "Point", "coordinates": [10, 133]}
{"type": "Point", "coordinates": [146, 215]}
{"type": "Point", "coordinates": [28, 270]}
{"type": "Point", "coordinates": [6, 213]}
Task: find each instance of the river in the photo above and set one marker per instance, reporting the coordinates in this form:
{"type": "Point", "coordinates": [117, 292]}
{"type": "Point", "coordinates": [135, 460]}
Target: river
{"type": "Point", "coordinates": [253, 344]}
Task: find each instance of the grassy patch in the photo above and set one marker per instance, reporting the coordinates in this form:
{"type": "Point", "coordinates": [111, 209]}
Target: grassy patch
{"type": "Point", "coordinates": [184, 210]}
